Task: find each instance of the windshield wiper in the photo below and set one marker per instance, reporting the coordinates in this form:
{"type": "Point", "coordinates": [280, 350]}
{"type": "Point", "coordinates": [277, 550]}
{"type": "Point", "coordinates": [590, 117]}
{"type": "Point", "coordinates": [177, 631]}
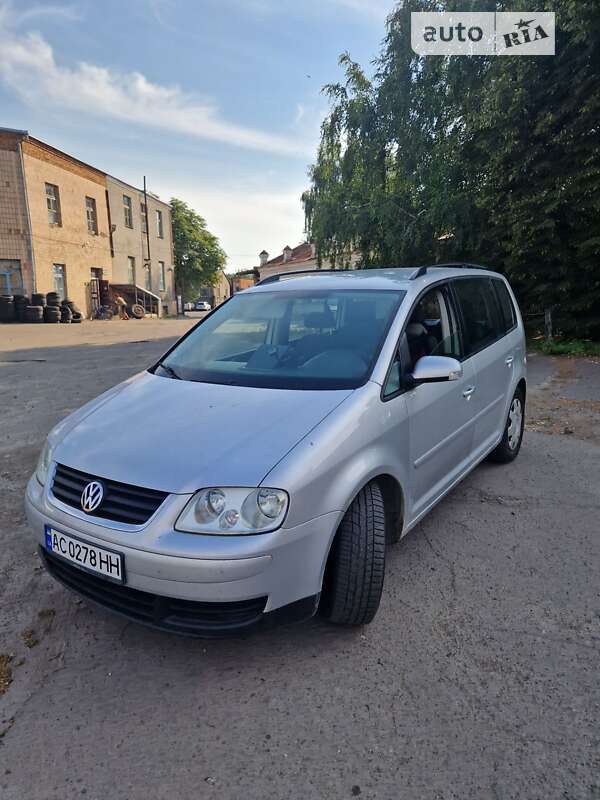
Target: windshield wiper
{"type": "Point", "coordinates": [170, 371]}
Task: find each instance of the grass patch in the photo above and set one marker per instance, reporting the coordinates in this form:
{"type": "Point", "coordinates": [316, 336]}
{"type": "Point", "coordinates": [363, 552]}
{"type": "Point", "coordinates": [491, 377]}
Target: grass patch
{"type": "Point", "coordinates": [567, 347]}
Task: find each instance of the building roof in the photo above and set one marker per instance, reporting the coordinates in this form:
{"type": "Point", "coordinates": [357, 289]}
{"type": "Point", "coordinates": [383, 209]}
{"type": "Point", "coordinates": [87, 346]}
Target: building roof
{"type": "Point", "coordinates": [301, 253]}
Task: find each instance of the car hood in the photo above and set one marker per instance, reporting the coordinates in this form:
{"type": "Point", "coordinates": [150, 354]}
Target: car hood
{"type": "Point", "coordinates": [180, 436]}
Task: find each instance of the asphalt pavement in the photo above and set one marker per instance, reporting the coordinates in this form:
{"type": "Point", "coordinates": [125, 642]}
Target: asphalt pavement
{"type": "Point", "coordinates": [477, 679]}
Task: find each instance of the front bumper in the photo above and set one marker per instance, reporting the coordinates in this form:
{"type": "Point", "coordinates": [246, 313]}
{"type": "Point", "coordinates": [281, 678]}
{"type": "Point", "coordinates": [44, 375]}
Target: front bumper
{"type": "Point", "coordinates": [262, 574]}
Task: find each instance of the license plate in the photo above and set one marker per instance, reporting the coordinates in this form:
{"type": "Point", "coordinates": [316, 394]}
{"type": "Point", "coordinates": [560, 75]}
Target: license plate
{"type": "Point", "coordinates": [89, 557]}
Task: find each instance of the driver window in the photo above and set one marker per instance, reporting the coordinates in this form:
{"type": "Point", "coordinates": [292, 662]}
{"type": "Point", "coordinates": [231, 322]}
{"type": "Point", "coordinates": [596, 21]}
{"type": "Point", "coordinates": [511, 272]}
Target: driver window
{"type": "Point", "coordinates": [432, 328]}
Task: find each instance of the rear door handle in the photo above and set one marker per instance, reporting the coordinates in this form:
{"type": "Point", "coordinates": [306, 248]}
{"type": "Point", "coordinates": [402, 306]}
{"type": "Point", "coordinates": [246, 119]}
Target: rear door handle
{"type": "Point", "coordinates": [509, 361]}
{"type": "Point", "coordinates": [468, 392]}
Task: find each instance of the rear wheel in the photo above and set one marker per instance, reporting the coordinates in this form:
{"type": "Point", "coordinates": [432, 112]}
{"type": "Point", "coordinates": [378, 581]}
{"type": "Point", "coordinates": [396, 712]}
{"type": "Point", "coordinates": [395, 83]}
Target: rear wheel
{"type": "Point", "coordinates": [355, 570]}
{"type": "Point", "coordinates": [510, 444]}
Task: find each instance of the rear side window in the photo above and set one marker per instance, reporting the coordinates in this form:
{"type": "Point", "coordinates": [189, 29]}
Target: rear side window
{"type": "Point", "coordinates": [507, 310]}
{"type": "Point", "coordinates": [480, 312]}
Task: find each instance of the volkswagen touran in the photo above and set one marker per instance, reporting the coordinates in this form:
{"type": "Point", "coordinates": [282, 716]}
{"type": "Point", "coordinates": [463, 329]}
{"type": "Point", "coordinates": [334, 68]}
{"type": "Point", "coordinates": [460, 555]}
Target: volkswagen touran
{"type": "Point", "coordinates": [335, 410]}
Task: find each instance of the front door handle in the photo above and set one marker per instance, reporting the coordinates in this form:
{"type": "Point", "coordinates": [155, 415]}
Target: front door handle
{"type": "Point", "coordinates": [468, 392]}
{"type": "Point", "coordinates": [509, 361]}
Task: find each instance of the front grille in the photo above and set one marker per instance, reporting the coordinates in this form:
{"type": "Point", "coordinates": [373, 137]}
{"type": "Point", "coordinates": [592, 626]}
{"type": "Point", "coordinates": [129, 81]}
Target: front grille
{"type": "Point", "coordinates": [168, 613]}
{"type": "Point", "coordinates": [121, 502]}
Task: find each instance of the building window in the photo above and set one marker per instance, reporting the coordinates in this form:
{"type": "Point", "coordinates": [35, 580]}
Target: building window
{"type": "Point", "coordinates": [53, 203]}
{"type": "Point", "coordinates": [92, 217]}
{"type": "Point", "coordinates": [159, 224]}
{"type": "Point", "coordinates": [60, 280]}
{"type": "Point", "coordinates": [148, 277]}
{"type": "Point", "coordinates": [128, 212]}
{"type": "Point", "coordinates": [11, 280]}
{"type": "Point", "coordinates": [161, 276]}
{"type": "Point", "coordinates": [131, 270]}
{"type": "Point", "coordinates": [143, 217]}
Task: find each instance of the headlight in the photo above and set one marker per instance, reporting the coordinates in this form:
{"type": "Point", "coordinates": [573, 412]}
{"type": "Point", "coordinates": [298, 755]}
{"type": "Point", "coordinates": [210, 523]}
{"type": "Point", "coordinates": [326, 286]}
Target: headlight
{"type": "Point", "coordinates": [43, 464]}
{"type": "Point", "coordinates": [234, 511]}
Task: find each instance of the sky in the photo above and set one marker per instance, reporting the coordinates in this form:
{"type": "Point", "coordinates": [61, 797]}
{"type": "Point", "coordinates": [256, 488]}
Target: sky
{"type": "Point", "coordinates": [217, 102]}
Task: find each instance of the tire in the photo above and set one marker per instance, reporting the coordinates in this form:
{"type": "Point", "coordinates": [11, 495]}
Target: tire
{"type": "Point", "coordinates": [51, 314]}
{"type": "Point", "coordinates": [38, 299]}
{"type": "Point", "coordinates": [510, 444]}
{"type": "Point", "coordinates": [355, 570]}
{"type": "Point", "coordinates": [137, 311]}
{"type": "Point", "coordinates": [34, 314]}
{"type": "Point", "coordinates": [7, 312]}
{"type": "Point", "coordinates": [20, 306]}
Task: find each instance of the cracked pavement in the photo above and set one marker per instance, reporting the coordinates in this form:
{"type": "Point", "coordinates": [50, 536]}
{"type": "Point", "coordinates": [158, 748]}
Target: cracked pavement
{"type": "Point", "coordinates": [477, 679]}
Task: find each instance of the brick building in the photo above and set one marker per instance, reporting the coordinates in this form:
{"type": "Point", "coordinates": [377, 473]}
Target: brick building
{"type": "Point", "coordinates": [142, 241]}
{"type": "Point", "coordinates": [63, 225]}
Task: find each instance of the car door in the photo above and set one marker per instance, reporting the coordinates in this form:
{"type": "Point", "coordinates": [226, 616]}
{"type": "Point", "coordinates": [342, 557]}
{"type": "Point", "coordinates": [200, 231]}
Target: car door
{"type": "Point", "coordinates": [491, 355]}
{"type": "Point", "coordinates": [440, 414]}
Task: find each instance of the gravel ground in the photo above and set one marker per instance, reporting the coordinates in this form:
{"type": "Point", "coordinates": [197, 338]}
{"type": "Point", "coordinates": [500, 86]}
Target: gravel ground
{"type": "Point", "coordinates": [478, 678]}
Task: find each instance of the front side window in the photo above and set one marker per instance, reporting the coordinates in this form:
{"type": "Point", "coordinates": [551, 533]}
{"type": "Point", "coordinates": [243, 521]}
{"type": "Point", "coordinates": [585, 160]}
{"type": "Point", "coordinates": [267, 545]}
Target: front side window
{"type": "Point", "coordinates": [431, 330]}
{"type": "Point", "coordinates": [161, 276]}
{"type": "Point", "coordinates": [288, 340]}
{"type": "Point", "coordinates": [92, 217]}
{"type": "Point", "coordinates": [127, 211]}
{"type": "Point", "coordinates": [479, 312]}
{"type": "Point", "coordinates": [53, 204]}
{"type": "Point", "coordinates": [159, 224]}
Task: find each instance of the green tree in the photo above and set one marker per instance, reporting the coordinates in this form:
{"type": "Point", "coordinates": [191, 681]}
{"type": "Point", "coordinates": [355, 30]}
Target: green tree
{"type": "Point", "coordinates": [484, 159]}
{"type": "Point", "coordinates": [197, 252]}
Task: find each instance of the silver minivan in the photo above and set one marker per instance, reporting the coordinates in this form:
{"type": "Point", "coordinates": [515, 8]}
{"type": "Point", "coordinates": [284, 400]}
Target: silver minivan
{"type": "Point", "coordinates": [335, 409]}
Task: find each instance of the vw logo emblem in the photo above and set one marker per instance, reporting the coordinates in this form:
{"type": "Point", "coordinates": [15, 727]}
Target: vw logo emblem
{"type": "Point", "coordinates": [92, 496]}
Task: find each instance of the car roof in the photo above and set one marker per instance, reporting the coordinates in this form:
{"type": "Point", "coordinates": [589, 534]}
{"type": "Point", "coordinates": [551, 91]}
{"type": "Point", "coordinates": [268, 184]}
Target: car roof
{"type": "Point", "coordinates": [390, 278]}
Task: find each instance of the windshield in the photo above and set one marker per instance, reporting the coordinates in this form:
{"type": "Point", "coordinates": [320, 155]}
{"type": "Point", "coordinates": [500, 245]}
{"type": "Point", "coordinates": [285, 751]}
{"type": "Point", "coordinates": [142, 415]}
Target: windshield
{"type": "Point", "coordinates": [287, 340]}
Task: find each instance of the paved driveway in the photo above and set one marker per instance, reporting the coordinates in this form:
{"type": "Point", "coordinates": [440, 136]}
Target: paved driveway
{"type": "Point", "coordinates": [478, 678]}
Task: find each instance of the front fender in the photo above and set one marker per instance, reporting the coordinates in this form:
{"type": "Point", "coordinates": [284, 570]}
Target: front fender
{"type": "Point", "coordinates": [363, 438]}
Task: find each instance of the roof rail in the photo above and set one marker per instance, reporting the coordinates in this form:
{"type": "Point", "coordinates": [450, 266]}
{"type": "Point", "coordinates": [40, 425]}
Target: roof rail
{"type": "Point", "coordinates": [452, 265]}
{"type": "Point", "coordinates": [282, 275]}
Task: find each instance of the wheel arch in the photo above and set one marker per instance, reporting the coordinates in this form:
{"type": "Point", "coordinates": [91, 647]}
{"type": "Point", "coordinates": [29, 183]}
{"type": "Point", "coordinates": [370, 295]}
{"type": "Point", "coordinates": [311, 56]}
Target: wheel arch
{"type": "Point", "coordinates": [394, 505]}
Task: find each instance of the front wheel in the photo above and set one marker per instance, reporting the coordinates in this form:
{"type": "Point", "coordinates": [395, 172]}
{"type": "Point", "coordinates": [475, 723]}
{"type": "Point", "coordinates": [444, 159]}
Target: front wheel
{"type": "Point", "coordinates": [510, 444]}
{"type": "Point", "coordinates": [354, 576]}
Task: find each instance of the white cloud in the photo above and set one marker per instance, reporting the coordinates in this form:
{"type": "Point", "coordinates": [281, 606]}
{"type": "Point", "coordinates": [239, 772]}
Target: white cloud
{"type": "Point", "coordinates": [10, 16]}
{"type": "Point", "coordinates": [245, 221]}
{"type": "Point", "coordinates": [29, 69]}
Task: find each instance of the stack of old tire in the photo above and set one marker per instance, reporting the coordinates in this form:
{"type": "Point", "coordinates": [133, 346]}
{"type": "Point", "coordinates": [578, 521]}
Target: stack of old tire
{"type": "Point", "coordinates": [35, 311]}
{"type": "Point", "coordinates": [52, 308]}
{"type": "Point", "coordinates": [21, 302]}
{"type": "Point", "coordinates": [7, 308]}
{"type": "Point", "coordinates": [69, 312]}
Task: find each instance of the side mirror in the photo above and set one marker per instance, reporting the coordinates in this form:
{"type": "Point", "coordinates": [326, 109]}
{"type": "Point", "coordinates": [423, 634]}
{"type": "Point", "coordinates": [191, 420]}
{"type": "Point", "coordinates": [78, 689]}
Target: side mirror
{"type": "Point", "coordinates": [433, 369]}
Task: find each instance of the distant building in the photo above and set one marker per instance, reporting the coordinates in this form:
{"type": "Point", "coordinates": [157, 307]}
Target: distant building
{"type": "Point", "coordinates": [142, 241]}
{"type": "Point", "coordinates": [217, 294]}
{"type": "Point", "coordinates": [64, 227]}
{"type": "Point", "coordinates": [242, 280]}
{"type": "Point", "coordinates": [294, 259]}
